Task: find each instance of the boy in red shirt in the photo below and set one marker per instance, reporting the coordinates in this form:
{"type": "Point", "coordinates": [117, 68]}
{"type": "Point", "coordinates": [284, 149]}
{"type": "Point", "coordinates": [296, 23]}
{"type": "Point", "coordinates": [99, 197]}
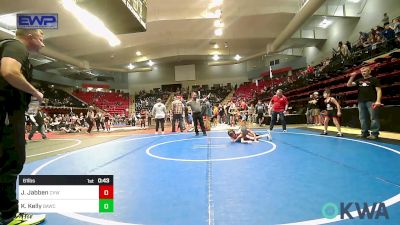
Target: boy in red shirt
{"type": "Point", "coordinates": [279, 105]}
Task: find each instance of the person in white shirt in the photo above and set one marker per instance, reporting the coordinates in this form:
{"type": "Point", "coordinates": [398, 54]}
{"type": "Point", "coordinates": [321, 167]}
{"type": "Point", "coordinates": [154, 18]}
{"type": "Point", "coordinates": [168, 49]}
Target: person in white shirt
{"type": "Point", "coordinates": [159, 111]}
{"type": "Point", "coordinates": [343, 50]}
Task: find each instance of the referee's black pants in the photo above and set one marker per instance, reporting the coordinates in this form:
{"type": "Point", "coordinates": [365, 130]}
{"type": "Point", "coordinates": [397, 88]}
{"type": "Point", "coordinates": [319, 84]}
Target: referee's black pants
{"type": "Point", "coordinates": [198, 119]}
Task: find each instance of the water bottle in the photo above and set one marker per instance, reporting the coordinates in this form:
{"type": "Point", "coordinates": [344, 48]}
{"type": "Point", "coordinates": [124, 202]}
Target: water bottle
{"type": "Point", "coordinates": [33, 106]}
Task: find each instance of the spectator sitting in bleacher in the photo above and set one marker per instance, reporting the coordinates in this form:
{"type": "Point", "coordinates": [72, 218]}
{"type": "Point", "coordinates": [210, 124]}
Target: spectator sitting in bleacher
{"type": "Point", "coordinates": [349, 47]}
{"type": "Point", "coordinates": [371, 38]}
{"type": "Point", "coordinates": [396, 25]}
{"type": "Point", "coordinates": [397, 40]}
{"type": "Point", "coordinates": [385, 18]}
{"type": "Point", "coordinates": [145, 100]}
{"type": "Point", "coordinates": [370, 45]}
{"type": "Point", "coordinates": [378, 39]}
{"type": "Point", "coordinates": [379, 29]}
{"type": "Point", "coordinates": [73, 125]}
{"type": "Point", "coordinates": [58, 98]}
{"type": "Point", "coordinates": [363, 36]}
{"type": "Point", "coordinates": [343, 50]}
{"type": "Point", "coordinates": [310, 70]}
{"type": "Point", "coordinates": [389, 36]}
{"type": "Point", "coordinates": [388, 33]}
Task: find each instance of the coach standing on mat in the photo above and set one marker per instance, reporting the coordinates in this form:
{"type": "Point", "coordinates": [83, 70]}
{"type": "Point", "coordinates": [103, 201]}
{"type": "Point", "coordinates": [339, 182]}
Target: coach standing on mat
{"type": "Point", "coordinates": [195, 105]}
{"type": "Point", "coordinates": [279, 104]}
{"type": "Point", "coordinates": [369, 101]}
{"type": "Point", "coordinates": [15, 94]}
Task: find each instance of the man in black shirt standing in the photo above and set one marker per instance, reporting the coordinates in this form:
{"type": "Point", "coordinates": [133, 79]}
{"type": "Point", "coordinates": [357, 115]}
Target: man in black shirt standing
{"type": "Point", "coordinates": [38, 125]}
{"type": "Point", "coordinates": [260, 110]}
{"type": "Point", "coordinates": [195, 105]}
{"type": "Point", "coordinates": [369, 100]}
{"type": "Point", "coordinates": [15, 94]}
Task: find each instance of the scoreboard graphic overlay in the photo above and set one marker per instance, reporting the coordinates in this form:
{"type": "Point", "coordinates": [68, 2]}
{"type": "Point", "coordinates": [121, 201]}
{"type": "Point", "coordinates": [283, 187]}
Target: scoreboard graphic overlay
{"type": "Point", "coordinates": [66, 193]}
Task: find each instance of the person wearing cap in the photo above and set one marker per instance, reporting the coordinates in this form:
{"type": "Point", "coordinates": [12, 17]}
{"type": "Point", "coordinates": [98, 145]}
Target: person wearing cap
{"type": "Point", "coordinates": [15, 94]}
{"type": "Point", "coordinates": [159, 112]}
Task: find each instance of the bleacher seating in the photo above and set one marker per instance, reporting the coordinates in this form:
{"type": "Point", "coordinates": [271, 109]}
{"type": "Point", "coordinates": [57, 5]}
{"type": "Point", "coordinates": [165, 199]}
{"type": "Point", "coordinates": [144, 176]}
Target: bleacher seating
{"type": "Point", "coordinates": [333, 73]}
{"type": "Point", "coordinates": [247, 90]}
{"type": "Point", "coordinates": [218, 95]}
{"type": "Point", "coordinates": [148, 100]}
{"type": "Point", "coordinates": [388, 74]}
{"type": "Point", "coordinates": [58, 98]}
{"type": "Point", "coordinates": [114, 103]}
{"type": "Point", "coordinates": [250, 91]}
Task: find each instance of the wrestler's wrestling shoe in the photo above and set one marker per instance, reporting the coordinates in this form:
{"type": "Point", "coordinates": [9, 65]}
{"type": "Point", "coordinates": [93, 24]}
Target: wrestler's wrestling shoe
{"type": "Point", "coordinates": [268, 135]}
{"type": "Point", "coordinates": [26, 219]}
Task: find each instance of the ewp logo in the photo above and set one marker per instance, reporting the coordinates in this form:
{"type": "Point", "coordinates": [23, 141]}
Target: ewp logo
{"type": "Point", "coordinates": [376, 211]}
{"type": "Point", "coordinates": [37, 21]}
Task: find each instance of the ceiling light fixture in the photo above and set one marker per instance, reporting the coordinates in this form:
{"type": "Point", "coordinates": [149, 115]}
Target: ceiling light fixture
{"type": "Point", "coordinates": [215, 57]}
{"type": "Point", "coordinates": [218, 32]}
{"type": "Point", "coordinates": [215, 3]}
{"type": "Point", "coordinates": [325, 23]}
{"type": "Point", "coordinates": [9, 20]}
{"type": "Point", "coordinates": [216, 46]}
{"type": "Point", "coordinates": [138, 53]}
{"type": "Point", "coordinates": [130, 66]}
{"type": "Point", "coordinates": [91, 22]}
{"type": "Point", "coordinates": [218, 13]}
{"type": "Point", "coordinates": [150, 63]}
{"type": "Point", "coordinates": [218, 23]}
{"type": "Point", "coordinates": [237, 57]}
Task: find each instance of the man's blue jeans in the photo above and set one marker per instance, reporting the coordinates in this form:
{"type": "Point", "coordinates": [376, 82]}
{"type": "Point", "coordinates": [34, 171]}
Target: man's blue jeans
{"type": "Point", "coordinates": [366, 113]}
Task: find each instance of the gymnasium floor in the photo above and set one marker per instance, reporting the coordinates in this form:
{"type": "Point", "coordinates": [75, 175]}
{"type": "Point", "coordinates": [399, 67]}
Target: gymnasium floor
{"type": "Point", "coordinates": [180, 179]}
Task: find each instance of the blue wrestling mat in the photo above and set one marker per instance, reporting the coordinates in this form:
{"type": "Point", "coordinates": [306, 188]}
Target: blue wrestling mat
{"type": "Point", "coordinates": [299, 177]}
